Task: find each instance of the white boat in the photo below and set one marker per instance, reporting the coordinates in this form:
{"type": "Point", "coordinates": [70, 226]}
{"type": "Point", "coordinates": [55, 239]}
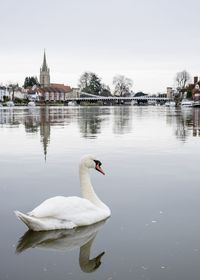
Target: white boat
{"type": "Point", "coordinates": [10, 104]}
{"type": "Point", "coordinates": [152, 102]}
{"type": "Point", "coordinates": [31, 104]}
{"type": "Point", "coordinates": [72, 103]}
{"type": "Point", "coordinates": [170, 104]}
{"type": "Point", "coordinates": [196, 103]}
{"type": "Point", "coordinates": [134, 102]}
{"type": "Point", "coordinates": [187, 103]}
{"type": "Point", "coordinates": [196, 100]}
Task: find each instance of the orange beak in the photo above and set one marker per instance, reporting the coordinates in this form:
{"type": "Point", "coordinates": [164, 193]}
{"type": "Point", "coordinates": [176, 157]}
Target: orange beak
{"type": "Point", "coordinates": [98, 168]}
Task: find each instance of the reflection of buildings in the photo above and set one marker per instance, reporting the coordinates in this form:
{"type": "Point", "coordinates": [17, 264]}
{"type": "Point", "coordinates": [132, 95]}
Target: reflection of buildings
{"type": "Point", "coordinates": [185, 120]}
{"type": "Point", "coordinates": [182, 131]}
{"type": "Point", "coordinates": [179, 119]}
{"type": "Point", "coordinates": [8, 116]}
{"type": "Point", "coordinates": [196, 121]}
{"type": "Point", "coordinates": [45, 128]}
{"type": "Point", "coordinates": [38, 119]}
{"type": "Point", "coordinates": [50, 117]}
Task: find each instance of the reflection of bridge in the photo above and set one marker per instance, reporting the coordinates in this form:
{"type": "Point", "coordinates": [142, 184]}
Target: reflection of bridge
{"type": "Point", "coordinates": [115, 99]}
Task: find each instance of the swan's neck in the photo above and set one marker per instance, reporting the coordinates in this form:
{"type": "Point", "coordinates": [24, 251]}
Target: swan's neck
{"type": "Point", "coordinates": [84, 256]}
{"type": "Point", "coordinates": [87, 190]}
{"type": "Point", "coordinates": [86, 264]}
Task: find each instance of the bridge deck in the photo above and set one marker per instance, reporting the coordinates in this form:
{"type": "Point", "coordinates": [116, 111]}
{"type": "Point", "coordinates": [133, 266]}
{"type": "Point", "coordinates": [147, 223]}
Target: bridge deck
{"type": "Point", "coordinates": [102, 98]}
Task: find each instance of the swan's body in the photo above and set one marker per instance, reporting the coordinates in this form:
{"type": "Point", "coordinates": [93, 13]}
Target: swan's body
{"type": "Point", "coordinates": [69, 212]}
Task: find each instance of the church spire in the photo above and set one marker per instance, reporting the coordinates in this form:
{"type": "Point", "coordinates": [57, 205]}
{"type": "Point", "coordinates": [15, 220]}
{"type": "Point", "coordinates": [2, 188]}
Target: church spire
{"type": "Point", "coordinates": [44, 73]}
{"type": "Point", "coordinates": [44, 65]}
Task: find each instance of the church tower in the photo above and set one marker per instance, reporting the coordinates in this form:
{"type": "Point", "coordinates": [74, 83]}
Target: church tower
{"type": "Point", "coordinates": [44, 73]}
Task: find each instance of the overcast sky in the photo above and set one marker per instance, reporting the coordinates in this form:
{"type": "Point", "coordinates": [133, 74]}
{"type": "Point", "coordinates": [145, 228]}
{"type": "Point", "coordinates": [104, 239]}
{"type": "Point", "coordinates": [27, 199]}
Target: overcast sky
{"type": "Point", "coordinates": [145, 40]}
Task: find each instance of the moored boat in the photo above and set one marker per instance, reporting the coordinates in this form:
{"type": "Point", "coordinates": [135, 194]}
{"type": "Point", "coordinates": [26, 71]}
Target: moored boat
{"type": "Point", "coordinates": [10, 104]}
{"type": "Point", "coordinates": [196, 100]}
{"type": "Point", "coordinates": [196, 103]}
{"type": "Point", "coordinates": [187, 103]}
{"type": "Point", "coordinates": [31, 104]}
{"type": "Point", "coordinates": [170, 104]}
{"type": "Point", "coordinates": [72, 103]}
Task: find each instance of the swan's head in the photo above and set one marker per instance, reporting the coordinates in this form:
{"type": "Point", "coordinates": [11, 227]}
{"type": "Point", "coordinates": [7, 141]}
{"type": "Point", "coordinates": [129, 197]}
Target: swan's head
{"type": "Point", "coordinates": [91, 265]}
{"type": "Point", "coordinates": [90, 161]}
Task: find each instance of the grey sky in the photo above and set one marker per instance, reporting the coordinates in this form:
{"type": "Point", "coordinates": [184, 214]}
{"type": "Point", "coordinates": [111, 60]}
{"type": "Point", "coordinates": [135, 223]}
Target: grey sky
{"type": "Point", "coordinates": [148, 41]}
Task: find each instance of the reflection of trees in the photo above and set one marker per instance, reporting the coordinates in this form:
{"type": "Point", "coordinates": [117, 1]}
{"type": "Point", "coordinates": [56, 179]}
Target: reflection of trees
{"type": "Point", "coordinates": [90, 119]}
{"type": "Point", "coordinates": [122, 122]}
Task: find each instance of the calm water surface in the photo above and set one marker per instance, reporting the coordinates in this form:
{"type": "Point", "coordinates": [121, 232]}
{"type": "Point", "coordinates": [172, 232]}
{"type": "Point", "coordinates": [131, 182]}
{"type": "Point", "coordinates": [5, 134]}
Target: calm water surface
{"type": "Point", "coordinates": [151, 156]}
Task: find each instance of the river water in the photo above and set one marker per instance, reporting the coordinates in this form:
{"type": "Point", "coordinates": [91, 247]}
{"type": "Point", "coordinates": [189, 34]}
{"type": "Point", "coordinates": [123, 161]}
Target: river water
{"type": "Point", "coordinates": [151, 157]}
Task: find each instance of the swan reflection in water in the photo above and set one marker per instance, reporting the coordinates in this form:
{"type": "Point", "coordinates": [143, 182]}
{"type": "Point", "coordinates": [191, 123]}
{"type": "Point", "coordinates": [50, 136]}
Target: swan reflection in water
{"type": "Point", "coordinates": [63, 240]}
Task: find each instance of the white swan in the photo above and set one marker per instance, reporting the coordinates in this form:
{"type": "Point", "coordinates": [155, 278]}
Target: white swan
{"type": "Point", "coordinates": [69, 212]}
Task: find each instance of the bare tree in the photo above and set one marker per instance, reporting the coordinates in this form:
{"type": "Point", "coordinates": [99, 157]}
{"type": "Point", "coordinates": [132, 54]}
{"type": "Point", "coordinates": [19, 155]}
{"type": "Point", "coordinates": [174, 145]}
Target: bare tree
{"type": "Point", "coordinates": [181, 79]}
{"type": "Point", "coordinates": [84, 80]}
{"type": "Point", "coordinates": [122, 85]}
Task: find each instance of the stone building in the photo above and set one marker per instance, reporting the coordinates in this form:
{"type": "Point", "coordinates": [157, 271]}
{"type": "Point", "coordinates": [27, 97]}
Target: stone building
{"type": "Point", "coordinates": [170, 92]}
{"type": "Point", "coordinates": [57, 92]}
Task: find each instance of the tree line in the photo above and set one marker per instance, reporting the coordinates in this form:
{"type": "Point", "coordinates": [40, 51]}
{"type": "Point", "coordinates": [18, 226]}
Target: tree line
{"type": "Point", "coordinates": [90, 82]}
{"type": "Point", "coordinates": [30, 82]}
